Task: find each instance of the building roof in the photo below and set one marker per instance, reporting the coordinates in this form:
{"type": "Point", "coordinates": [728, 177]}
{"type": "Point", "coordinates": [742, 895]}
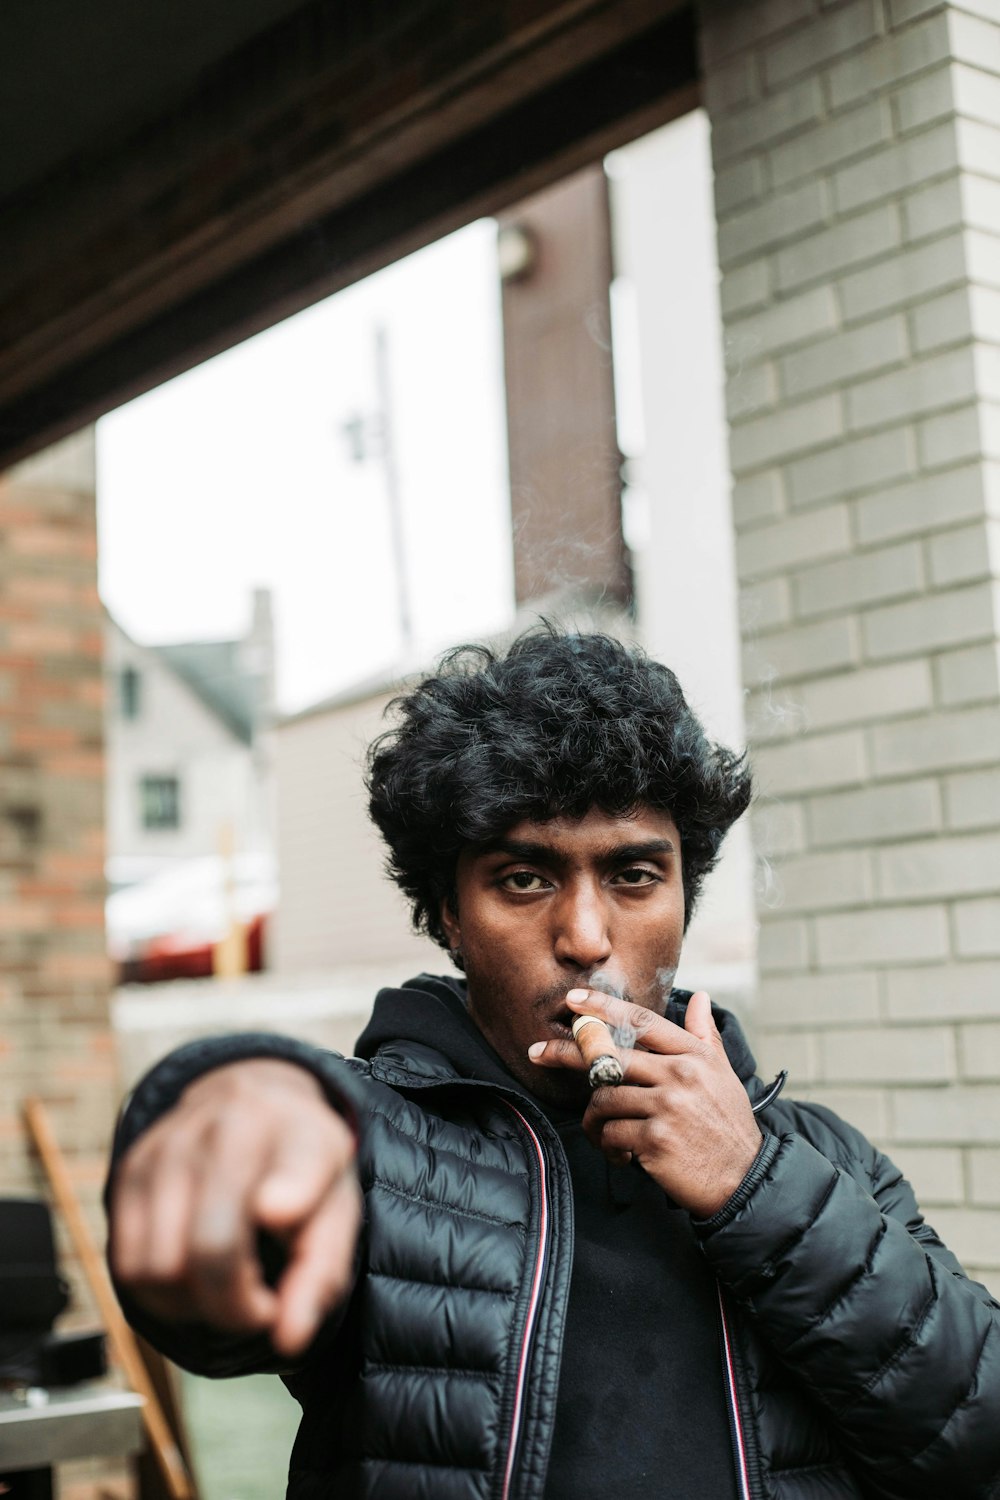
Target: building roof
{"type": "Point", "coordinates": [376, 685]}
{"type": "Point", "coordinates": [214, 671]}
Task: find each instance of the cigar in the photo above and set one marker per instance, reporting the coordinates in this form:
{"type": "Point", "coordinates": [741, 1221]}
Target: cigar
{"type": "Point", "coordinates": [593, 1037]}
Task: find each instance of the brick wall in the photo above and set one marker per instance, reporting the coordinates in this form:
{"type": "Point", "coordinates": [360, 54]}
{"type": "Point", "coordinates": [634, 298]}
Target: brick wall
{"type": "Point", "coordinates": [857, 159]}
{"type": "Point", "coordinates": [54, 1034]}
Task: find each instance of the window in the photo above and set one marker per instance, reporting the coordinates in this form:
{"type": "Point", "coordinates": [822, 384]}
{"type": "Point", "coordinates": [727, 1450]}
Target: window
{"type": "Point", "coordinates": [129, 696]}
{"type": "Point", "coordinates": [161, 802]}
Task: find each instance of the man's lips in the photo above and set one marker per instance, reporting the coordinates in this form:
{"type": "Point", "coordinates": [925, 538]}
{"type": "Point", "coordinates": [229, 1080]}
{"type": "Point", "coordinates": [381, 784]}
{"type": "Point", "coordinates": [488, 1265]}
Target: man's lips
{"type": "Point", "coordinates": [552, 1013]}
{"type": "Point", "coordinates": [555, 1016]}
{"type": "Point", "coordinates": [560, 1017]}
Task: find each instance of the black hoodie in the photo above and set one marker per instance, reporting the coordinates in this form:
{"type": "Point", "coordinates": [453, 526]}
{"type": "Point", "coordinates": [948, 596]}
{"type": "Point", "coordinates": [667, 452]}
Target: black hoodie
{"type": "Point", "coordinates": [641, 1406]}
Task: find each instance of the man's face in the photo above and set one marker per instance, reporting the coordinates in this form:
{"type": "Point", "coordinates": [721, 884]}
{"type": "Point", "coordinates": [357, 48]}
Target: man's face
{"type": "Point", "coordinates": [549, 905]}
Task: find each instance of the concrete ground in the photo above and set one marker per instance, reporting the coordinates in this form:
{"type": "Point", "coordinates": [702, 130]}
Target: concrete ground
{"type": "Point", "coordinates": [241, 1434]}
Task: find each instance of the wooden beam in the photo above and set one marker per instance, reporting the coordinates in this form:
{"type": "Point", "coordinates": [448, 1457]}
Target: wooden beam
{"type": "Point", "coordinates": [193, 237]}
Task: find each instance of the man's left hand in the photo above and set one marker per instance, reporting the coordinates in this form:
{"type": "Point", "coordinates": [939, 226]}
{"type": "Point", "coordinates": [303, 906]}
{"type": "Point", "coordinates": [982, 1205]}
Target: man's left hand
{"type": "Point", "coordinates": [681, 1112]}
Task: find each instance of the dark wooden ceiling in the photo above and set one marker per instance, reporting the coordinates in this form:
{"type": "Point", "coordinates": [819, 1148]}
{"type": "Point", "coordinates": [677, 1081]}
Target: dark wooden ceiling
{"type": "Point", "coordinates": [178, 175]}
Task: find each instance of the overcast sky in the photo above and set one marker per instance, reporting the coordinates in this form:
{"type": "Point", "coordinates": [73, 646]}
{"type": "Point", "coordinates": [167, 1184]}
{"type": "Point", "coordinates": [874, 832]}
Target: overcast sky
{"type": "Point", "coordinates": [238, 474]}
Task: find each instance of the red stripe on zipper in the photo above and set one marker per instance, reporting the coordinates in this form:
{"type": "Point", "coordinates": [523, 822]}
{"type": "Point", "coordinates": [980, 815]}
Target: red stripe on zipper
{"type": "Point", "coordinates": [742, 1472]}
{"type": "Point", "coordinates": [534, 1302]}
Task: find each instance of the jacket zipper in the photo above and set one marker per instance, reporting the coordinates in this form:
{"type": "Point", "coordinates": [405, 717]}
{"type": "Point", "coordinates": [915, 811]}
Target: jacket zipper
{"type": "Point", "coordinates": [534, 1302]}
{"type": "Point", "coordinates": [733, 1404]}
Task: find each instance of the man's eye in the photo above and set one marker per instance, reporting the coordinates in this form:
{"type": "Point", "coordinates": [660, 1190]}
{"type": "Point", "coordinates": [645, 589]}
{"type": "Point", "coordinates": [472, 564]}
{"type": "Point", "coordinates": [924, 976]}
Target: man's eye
{"type": "Point", "coordinates": [636, 875]}
{"type": "Point", "coordinates": [524, 880]}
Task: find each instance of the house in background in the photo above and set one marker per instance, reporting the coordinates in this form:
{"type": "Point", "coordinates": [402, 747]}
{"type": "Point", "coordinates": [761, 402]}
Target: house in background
{"type": "Point", "coordinates": [188, 792]}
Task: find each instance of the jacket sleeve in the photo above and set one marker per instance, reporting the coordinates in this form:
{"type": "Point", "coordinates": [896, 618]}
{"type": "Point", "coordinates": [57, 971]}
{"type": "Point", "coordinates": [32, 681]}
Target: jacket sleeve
{"type": "Point", "coordinates": [855, 1293]}
{"type": "Point", "coordinates": [196, 1346]}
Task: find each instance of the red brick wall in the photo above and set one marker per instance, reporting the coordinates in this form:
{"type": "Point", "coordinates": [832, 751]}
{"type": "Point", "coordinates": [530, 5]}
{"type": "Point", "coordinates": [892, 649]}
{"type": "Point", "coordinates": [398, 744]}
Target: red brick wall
{"type": "Point", "coordinates": [54, 978]}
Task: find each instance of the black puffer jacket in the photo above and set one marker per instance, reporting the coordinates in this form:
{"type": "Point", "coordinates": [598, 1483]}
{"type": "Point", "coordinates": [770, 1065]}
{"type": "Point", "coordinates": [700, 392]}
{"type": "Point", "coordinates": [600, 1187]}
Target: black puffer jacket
{"type": "Point", "coordinates": [861, 1362]}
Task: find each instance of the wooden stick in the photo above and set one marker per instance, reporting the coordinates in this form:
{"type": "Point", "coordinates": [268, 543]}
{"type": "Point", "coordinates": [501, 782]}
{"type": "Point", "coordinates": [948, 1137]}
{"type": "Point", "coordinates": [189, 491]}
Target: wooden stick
{"type": "Point", "coordinates": [168, 1455]}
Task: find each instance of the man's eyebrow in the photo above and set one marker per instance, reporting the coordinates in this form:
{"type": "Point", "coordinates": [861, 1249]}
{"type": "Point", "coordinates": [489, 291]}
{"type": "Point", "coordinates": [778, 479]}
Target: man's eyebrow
{"type": "Point", "coordinates": [643, 850]}
{"type": "Point", "coordinates": [531, 851]}
{"type": "Point", "coordinates": [535, 852]}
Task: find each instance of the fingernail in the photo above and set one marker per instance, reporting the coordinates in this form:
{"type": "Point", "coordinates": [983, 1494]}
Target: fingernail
{"type": "Point", "coordinates": [536, 1049]}
{"type": "Point", "coordinates": [578, 995]}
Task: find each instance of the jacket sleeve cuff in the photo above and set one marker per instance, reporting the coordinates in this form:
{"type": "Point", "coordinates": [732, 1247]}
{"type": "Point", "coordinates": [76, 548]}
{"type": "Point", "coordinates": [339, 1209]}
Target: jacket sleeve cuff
{"type": "Point", "coordinates": [161, 1088]}
{"type": "Point", "coordinates": [757, 1171]}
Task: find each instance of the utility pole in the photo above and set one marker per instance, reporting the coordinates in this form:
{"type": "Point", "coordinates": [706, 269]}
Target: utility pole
{"type": "Point", "coordinates": [372, 437]}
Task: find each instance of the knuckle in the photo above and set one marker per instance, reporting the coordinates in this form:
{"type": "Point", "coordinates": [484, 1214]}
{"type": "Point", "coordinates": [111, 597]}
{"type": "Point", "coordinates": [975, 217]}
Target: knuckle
{"type": "Point", "coordinates": [337, 1132]}
{"type": "Point", "coordinates": [166, 1269]}
{"type": "Point", "coordinates": [311, 1137]}
{"type": "Point", "coordinates": [124, 1260]}
{"type": "Point", "coordinates": [339, 1281]}
{"type": "Point", "coordinates": [175, 1156]}
{"type": "Point", "coordinates": [213, 1250]}
{"type": "Point", "coordinates": [212, 1269]}
{"type": "Point", "coordinates": [351, 1209]}
{"type": "Point", "coordinates": [134, 1170]}
{"type": "Point", "coordinates": [216, 1290]}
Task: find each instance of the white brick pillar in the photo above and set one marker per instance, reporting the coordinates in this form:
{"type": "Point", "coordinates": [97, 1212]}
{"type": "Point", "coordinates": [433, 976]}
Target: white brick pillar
{"type": "Point", "coordinates": [856, 148]}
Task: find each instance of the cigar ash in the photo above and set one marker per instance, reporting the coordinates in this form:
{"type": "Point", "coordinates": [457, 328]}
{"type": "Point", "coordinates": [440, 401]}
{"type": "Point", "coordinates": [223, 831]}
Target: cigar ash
{"type": "Point", "coordinates": [594, 1039]}
{"type": "Point", "coordinates": [605, 1072]}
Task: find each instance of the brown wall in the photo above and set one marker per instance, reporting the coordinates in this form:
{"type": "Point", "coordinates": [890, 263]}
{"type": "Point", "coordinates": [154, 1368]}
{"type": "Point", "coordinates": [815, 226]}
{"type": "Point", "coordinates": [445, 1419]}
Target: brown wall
{"type": "Point", "coordinates": [564, 458]}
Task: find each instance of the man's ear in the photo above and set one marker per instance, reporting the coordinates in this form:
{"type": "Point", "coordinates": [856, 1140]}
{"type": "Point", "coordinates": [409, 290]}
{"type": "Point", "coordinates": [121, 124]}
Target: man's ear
{"type": "Point", "coordinates": [449, 921]}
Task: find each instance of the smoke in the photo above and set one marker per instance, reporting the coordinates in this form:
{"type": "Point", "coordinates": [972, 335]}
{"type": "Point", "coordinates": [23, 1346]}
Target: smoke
{"type": "Point", "coordinates": [611, 981]}
{"type": "Point", "coordinates": [773, 719]}
{"type": "Point", "coordinates": [768, 887]}
{"type": "Point", "coordinates": [568, 561]}
{"type": "Point", "coordinates": [665, 981]}
{"type": "Point", "coordinates": [739, 351]}
{"type": "Point", "coordinates": [597, 324]}
{"type": "Point", "coordinates": [770, 719]}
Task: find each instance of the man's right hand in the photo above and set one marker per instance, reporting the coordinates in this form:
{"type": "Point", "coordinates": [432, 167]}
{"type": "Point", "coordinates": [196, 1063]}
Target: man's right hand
{"type": "Point", "coordinates": [249, 1146]}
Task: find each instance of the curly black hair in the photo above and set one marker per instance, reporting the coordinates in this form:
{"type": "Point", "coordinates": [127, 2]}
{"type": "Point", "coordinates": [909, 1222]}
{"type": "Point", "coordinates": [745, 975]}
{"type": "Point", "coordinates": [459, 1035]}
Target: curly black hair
{"type": "Point", "coordinates": [556, 725]}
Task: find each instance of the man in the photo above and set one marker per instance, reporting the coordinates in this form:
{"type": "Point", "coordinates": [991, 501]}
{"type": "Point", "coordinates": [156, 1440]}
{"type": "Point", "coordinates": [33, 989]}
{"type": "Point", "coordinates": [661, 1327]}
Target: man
{"type": "Point", "coordinates": [481, 1279]}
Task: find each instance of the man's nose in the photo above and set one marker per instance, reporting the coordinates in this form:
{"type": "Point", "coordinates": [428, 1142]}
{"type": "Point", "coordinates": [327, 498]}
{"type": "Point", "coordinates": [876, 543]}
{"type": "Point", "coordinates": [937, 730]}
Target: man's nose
{"type": "Point", "coordinates": [583, 934]}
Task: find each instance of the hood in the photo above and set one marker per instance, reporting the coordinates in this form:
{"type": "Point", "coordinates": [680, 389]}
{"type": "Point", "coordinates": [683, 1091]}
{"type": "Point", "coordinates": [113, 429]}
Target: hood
{"type": "Point", "coordinates": [425, 1028]}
